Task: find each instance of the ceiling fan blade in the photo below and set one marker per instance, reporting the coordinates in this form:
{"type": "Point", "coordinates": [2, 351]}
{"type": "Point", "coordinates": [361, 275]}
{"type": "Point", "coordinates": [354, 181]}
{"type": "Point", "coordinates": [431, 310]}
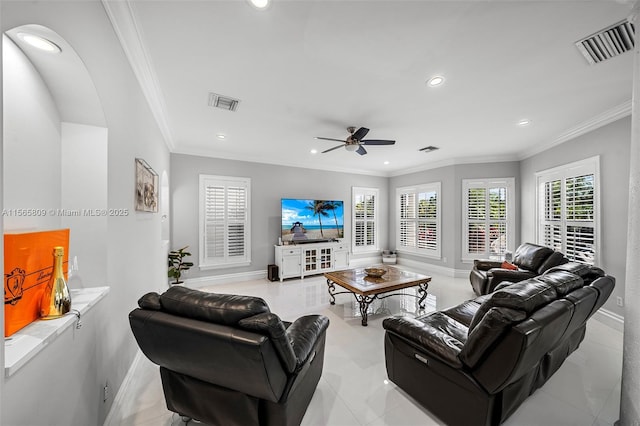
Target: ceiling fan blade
{"type": "Point", "coordinates": [377, 142]}
{"type": "Point", "coordinates": [329, 139]}
{"type": "Point", "coordinates": [360, 133]}
{"type": "Point", "coordinates": [331, 149]}
{"type": "Point", "coordinates": [361, 150]}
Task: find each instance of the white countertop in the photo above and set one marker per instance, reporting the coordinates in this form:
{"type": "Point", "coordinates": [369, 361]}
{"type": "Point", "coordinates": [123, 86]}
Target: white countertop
{"type": "Point", "coordinates": [24, 344]}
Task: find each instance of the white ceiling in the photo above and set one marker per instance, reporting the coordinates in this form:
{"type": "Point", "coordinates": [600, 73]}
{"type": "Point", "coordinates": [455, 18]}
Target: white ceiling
{"type": "Point", "coordinates": [312, 68]}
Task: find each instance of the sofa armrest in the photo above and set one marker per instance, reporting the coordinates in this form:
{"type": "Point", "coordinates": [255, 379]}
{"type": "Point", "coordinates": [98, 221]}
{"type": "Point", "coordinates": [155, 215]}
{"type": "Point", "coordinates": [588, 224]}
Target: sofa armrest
{"type": "Point", "coordinates": [440, 345]}
{"type": "Point", "coordinates": [270, 324]}
{"type": "Point", "coordinates": [486, 264]}
{"type": "Point", "coordinates": [304, 333]}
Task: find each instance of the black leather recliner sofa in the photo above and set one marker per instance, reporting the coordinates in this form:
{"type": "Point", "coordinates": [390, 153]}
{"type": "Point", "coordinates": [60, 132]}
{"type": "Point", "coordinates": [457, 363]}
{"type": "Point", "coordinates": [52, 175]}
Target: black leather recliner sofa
{"type": "Point", "coordinates": [531, 260]}
{"type": "Point", "coordinates": [475, 363]}
{"type": "Point", "coordinates": [227, 360]}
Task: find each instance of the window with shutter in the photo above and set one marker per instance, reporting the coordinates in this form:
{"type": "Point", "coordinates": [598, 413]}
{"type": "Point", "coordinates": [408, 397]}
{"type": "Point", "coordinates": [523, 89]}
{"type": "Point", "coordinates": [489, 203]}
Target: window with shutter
{"type": "Point", "coordinates": [224, 221]}
{"type": "Point", "coordinates": [487, 217]}
{"type": "Point", "coordinates": [365, 219]}
{"type": "Point", "coordinates": [568, 209]}
{"type": "Point", "coordinates": [418, 219]}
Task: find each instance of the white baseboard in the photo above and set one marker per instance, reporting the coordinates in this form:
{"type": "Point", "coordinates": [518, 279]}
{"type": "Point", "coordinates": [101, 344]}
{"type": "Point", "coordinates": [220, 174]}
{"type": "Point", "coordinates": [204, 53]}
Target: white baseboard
{"type": "Point", "coordinates": [430, 267]}
{"type": "Point", "coordinates": [117, 405]}
{"type": "Point", "coordinates": [225, 279]}
{"type": "Point", "coordinates": [365, 261]}
{"type": "Point", "coordinates": [611, 319]}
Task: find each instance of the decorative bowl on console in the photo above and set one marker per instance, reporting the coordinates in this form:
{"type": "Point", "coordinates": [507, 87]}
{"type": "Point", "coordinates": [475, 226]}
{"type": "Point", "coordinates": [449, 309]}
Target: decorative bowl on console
{"type": "Point", "coordinates": [375, 272]}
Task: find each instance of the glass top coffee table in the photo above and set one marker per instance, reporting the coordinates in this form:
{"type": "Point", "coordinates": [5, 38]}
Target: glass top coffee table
{"type": "Point", "coordinates": [366, 289]}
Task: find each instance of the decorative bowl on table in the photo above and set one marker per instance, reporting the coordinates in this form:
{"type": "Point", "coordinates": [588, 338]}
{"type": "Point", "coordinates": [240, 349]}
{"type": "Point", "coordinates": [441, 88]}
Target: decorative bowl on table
{"type": "Point", "coordinates": [375, 272]}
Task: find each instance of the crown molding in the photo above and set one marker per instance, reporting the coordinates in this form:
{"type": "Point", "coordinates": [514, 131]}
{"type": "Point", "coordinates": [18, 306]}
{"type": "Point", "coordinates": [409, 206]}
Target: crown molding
{"type": "Point", "coordinates": [129, 33]}
{"type": "Point", "coordinates": [609, 116]}
{"type": "Point", "coordinates": [455, 162]}
{"type": "Point", "coordinates": [205, 153]}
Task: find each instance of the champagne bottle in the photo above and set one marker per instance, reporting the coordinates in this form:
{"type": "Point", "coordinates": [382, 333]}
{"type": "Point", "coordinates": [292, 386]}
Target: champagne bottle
{"type": "Point", "coordinates": [56, 300]}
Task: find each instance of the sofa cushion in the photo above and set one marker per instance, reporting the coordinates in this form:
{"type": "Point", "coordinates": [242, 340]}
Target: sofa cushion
{"type": "Point", "coordinates": [556, 258]}
{"type": "Point", "coordinates": [564, 282]}
{"type": "Point", "coordinates": [464, 312]}
{"type": "Point", "coordinates": [530, 256]}
{"type": "Point", "coordinates": [587, 272]}
{"type": "Point", "coordinates": [525, 296]}
{"type": "Point", "coordinates": [508, 265]}
{"type": "Point", "coordinates": [580, 269]}
{"type": "Point", "coordinates": [443, 322]}
{"type": "Point", "coordinates": [491, 327]}
{"type": "Point", "coordinates": [225, 309]}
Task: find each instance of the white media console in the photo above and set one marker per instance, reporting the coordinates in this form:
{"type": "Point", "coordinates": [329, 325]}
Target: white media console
{"type": "Point", "coordinates": [311, 258]}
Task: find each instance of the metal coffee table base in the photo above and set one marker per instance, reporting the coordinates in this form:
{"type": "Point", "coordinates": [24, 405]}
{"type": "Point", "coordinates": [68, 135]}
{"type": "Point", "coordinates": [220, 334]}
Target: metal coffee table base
{"type": "Point", "coordinates": [365, 300]}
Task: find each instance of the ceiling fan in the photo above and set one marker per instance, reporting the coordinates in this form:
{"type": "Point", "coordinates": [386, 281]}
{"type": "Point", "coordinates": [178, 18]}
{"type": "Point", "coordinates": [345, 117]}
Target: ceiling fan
{"type": "Point", "coordinates": [354, 141]}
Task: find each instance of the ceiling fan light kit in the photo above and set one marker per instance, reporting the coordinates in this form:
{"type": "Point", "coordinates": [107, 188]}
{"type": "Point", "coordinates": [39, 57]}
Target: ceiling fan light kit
{"type": "Point", "coordinates": [354, 141]}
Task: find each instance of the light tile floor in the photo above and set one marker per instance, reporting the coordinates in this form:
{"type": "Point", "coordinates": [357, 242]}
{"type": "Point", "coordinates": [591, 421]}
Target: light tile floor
{"type": "Point", "coordinates": [354, 389]}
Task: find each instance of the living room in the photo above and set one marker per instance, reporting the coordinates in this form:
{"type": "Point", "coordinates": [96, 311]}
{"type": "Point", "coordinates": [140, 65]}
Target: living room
{"type": "Point", "coordinates": [128, 254]}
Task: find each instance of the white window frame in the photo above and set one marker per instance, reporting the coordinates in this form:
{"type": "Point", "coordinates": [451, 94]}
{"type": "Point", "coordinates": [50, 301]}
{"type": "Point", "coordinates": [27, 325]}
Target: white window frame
{"type": "Point", "coordinates": [509, 184]}
{"type": "Point", "coordinates": [357, 192]}
{"type": "Point", "coordinates": [589, 166]}
{"type": "Point", "coordinates": [224, 261]}
{"type": "Point", "coordinates": [434, 253]}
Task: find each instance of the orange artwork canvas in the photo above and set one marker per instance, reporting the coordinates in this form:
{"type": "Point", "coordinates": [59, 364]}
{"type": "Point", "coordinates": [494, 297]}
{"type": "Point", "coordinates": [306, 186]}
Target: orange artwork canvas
{"type": "Point", "coordinates": [28, 266]}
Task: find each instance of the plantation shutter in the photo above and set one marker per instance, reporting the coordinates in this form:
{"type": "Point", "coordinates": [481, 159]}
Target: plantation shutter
{"type": "Point", "coordinates": [225, 221]}
{"type": "Point", "coordinates": [407, 222]}
{"type": "Point", "coordinates": [476, 215]}
{"type": "Point", "coordinates": [427, 220]}
{"type": "Point", "coordinates": [568, 212]}
{"type": "Point", "coordinates": [419, 219]}
{"type": "Point", "coordinates": [487, 217]}
{"type": "Point", "coordinates": [365, 219]}
{"type": "Point", "coordinates": [552, 216]}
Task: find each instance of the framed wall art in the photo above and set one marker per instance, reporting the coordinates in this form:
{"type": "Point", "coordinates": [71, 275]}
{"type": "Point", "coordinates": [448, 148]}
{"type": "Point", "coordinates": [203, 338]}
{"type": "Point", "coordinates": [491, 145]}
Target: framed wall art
{"type": "Point", "coordinates": [146, 187]}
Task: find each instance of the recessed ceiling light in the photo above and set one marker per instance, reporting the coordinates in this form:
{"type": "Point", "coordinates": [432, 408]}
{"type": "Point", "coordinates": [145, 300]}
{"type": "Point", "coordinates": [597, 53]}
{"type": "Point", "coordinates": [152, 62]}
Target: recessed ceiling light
{"type": "Point", "coordinates": [386, 162]}
{"type": "Point", "coordinates": [221, 136]}
{"type": "Point", "coordinates": [39, 42]}
{"type": "Point", "coordinates": [260, 4]}
{"type": "Point", "coordinates": [435, 81]}
{"type": "Point", "coordinates": [314, 151]}
{"type": "Point", "coordinates": [524, 122]}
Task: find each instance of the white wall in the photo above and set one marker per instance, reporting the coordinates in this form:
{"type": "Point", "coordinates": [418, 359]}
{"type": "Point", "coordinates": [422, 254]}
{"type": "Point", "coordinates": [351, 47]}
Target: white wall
{"type": "Point", "coordinates": [269, 184]}
{"type": "Point", "coordinates": [31, 144]}
{"type": "Point", "coordinates": [84, 152]}
{"type": "Point", "coordinates": [612, 144]}
{"type": "Point", "coordinates": [135, 263]}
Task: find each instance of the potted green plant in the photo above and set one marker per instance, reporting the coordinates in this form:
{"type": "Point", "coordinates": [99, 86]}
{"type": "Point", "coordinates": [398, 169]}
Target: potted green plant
{"type": "Point", "coordinates": [177, 264]}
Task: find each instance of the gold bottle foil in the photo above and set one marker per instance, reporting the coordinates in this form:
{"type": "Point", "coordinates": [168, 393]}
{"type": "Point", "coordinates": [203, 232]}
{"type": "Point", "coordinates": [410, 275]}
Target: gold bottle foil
{"type": "Point", "coordinates": [56, 300]}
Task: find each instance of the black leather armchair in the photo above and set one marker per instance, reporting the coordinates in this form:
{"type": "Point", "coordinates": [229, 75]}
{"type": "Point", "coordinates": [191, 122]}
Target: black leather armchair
{"type": "Point", "coordinates": [227, 360]}
{"type": "Point", "coordinates": [531, 260]}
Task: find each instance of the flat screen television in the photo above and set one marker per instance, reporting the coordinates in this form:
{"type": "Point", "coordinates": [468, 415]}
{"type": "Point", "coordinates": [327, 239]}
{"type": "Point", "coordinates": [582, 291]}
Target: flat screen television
{"type": "Point", "coordinates": [305, 221]}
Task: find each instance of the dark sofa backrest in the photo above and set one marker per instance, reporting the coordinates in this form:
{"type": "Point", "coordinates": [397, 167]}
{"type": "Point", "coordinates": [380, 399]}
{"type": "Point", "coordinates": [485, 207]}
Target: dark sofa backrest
{"type": "Point", "coordinates": [523, 345]}
{"type": "Point", "coordinates": [531, 256]}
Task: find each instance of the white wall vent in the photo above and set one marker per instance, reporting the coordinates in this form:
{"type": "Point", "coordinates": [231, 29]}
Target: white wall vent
{"type": "Point", "coordinates": [607, 43]}
{"type": "Point", "coordinates": [224, 102]}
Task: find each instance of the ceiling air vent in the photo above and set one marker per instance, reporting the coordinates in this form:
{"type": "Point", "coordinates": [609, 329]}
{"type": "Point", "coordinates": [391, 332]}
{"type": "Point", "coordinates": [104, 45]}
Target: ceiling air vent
{"type": "Point", "coordinates": [224, 102]}
{"type": "Point", "coordinates": [429, 148]}
{"type": "Point", "coordinates": [607, 43]}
